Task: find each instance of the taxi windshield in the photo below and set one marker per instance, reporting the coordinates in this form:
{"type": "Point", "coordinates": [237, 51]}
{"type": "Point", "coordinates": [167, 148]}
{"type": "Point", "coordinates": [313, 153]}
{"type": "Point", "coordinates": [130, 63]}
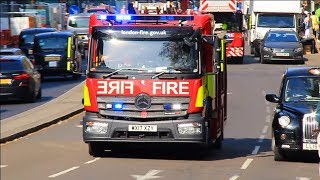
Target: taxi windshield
{"type": "Point", "coordinates": [147, 55]}
{"type": "Point", "coordinates": [302, 89]}
{"type": "Point", "coordinates": [51, 43]}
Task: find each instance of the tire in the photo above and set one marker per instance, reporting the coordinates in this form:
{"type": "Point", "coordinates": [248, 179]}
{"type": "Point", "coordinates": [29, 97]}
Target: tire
{"type": "Point", "coordinates": [251, 50]}
{"type": "Point", "coordinates": [218, 143]}
{"type": "Point", "coordinates": [278, 153]}
{"type": "Point", "coordinates": [39, 95]}
{"type": "Point", "coordinates": [263, 61]}
{"type": "Point", "coordinates": [255, 52]}
{"type": "Point", "coordinates": [76, 76]}
{"type": "Point", "coordinates": [32, 97]}
{"type": "Point", "coordinates": [95, 149]}
{"type": "Point", "coordinates": [240, 60]}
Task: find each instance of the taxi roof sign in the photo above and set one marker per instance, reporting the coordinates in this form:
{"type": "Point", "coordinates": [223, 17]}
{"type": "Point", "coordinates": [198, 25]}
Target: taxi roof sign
{"type": "Point", "coordinates": [125, 17]}
{"type": "Point", "coordinates": [315, 71]}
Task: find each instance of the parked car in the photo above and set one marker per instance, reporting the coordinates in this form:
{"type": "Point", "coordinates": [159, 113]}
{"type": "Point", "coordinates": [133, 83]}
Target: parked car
{"type": "Point", "coordinates": [10, 51]}
{"type": "Point", "coordinates": [57, 54]}
{"type": "Point", "coordinates": [281, 45]}
{"type": "Point", "coordinates": [295, 118]}
{"type": "Point", "coordinates": [26, 38]}
{"type": "Point", "coordinates": [19, 79]}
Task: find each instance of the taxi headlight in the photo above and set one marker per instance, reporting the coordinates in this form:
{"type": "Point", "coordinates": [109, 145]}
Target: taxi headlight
{"type": "Point", "coordinates": [284, 121]}
{"type": "Point", "coordinates": [96, 127]}
{"type": "Point", "coordinates": [266, 49]}
{"type": "Point", "coordinates": [298, 49]}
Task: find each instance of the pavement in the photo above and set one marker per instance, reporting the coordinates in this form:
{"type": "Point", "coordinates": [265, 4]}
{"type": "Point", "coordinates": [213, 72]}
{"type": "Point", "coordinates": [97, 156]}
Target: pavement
{"type": "Point", "coordinates": [61, 108]}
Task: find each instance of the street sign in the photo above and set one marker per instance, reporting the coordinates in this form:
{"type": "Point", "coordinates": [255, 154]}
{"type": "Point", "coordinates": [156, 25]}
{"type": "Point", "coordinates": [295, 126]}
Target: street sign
{"type": "Point", "coordinates": [74, 9]}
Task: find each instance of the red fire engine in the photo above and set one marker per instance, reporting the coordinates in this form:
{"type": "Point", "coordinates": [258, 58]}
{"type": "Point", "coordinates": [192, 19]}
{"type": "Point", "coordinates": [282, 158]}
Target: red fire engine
{"type": "Point", "coordinates": [154, 78]}
{"type": "Point", "coordinates": [228, 15]}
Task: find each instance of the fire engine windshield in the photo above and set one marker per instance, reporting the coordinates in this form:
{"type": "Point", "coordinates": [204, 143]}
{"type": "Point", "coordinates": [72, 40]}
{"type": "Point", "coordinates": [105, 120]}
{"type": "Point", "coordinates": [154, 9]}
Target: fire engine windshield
{"type": "Point", "coordinates": [79, 22]}
{"type": "Point", "coordinates": [228, 21]}
{"type": "Point", "coordinates": [148, 55]}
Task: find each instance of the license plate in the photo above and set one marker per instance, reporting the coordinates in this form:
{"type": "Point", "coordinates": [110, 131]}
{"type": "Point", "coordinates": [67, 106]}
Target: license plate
{"type": "Point", "coordinates": [282, 54]}
{"type": "Point", "coordinates": [52, 58]}
{"type": "Point", "coordinates": [143, 128]}
{"type": "Point", "coordinates": [53, 64]}
{"type": "Point", "coordinates": [5, 81]}
{"type": "Point", "coordinates": [309, 146]}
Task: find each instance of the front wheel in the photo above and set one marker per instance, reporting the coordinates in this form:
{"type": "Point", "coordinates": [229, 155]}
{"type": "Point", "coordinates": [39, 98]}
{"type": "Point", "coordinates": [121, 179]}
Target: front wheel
{"type": "Point", "coordinates": [278, 153]}
{"type": "Point", "coordinates": [95, 149]}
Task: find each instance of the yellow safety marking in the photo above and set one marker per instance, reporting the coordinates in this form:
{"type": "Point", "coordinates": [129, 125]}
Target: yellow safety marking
{"type": "Point", "coordinates": [68, 66]}
{"type": "Point", "coordinates": [86, 96]}
{"type": "Point", "coordinates": [211, 84]}
{"type": "Point", "coordinates": [199, 101]}
{"type": "Point", "coordinates": [69, 48]}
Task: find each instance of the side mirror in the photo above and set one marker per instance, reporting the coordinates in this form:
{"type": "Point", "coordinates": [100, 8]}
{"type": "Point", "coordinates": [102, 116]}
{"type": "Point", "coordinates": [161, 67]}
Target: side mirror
{"type": "Point", "coordinates": [272, 98]}
{"type": "Point", "coordinates": [188, 41]}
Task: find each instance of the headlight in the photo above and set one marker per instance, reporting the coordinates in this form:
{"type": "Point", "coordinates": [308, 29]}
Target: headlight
{"type": "Point", "coordinates": [284, 121]}
{"type": "Point", "coordinates": [96, 127]}
{"type": "Point", "coordinates": [266, 49]}
{"type": "Point", "coordinates": [298, 49]}
{"type": "Point", "coordinates": [189, 128]}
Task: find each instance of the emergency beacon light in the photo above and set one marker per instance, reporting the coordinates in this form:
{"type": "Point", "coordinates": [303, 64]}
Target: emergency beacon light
{"type": "Point", "coordinates": [122, 17]}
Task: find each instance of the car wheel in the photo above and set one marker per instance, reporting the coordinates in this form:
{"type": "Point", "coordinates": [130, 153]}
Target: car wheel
{"type": "Point", "coordinates": [39, 95]}
{"type": "Point", "coordinates": [76, 76]}
{"type": "Point", "coordinates": [256, 52]}
{"type": "Point", "coordinates": [278, 153]}
{"type": "Point", "coordinates": [262, 60]}
{"type": "Point", "coordinates": [95, 149]}
{"type": "Point", "coordinates": [32, 97]}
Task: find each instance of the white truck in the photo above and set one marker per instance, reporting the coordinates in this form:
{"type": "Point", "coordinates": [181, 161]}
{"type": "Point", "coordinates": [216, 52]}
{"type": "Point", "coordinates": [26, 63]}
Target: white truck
{"type": "Point", "coordinates": [265, 15]}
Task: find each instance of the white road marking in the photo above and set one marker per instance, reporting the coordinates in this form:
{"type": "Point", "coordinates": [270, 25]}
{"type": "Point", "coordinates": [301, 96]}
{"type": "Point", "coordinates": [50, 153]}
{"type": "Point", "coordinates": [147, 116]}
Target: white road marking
{"type": "Point", "coordinates": [302, 178]}
{"type": "Point", "coordinates": [3, 166]}
{"type": "Point", "coordinates": [149, 175]}
{"type": "Point", "coordinates": [79, 126]}
{"type": "Point", "coordinates": [265, 129]}
{"type": "Point", "coordinates": [234, 177]}
{"type": "Point", "coordinates": [246, 163]}
{"type": "Point", "coordinates": [268, 109]}
{"type": "Point", "coordinates": [268, 118]}
{"type": "Point", "coordinates": [261, 138]}
{"type": "Point", "coordinates": [92, 161]}
{"type": "Point", "coordinates": [256, 150]}
{"type": "Point", "coordinates": [63, 172]}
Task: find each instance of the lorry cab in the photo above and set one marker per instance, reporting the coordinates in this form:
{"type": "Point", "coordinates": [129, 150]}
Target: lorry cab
{"type": "Point", "coordinates": [57, 53]}
{"type": "Point", "coordinates": [79, 23]}
{"type": "Point", "coordinates": [26, 38]}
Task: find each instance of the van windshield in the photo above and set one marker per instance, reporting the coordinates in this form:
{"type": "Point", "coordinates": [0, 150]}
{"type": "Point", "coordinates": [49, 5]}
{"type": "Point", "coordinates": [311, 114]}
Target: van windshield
{"type": "Point", "coordinates": [276, 21]}
{"type": "Point", "coordinates": [79, 22]}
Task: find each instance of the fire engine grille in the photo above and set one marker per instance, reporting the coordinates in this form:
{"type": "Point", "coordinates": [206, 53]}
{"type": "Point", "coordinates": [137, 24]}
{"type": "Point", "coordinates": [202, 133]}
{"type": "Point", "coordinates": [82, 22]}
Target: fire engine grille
{"type": "Point", "coordinates": [155, 112]}
{"type": "Point", "coordinates": [309, 124]}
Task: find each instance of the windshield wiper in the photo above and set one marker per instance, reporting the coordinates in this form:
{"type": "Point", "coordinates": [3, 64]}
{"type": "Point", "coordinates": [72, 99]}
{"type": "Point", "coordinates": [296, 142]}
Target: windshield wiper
{"type": "Point", "coordinates": [159, 74]}
{"type": "Point", "coordinates": [118, 70]}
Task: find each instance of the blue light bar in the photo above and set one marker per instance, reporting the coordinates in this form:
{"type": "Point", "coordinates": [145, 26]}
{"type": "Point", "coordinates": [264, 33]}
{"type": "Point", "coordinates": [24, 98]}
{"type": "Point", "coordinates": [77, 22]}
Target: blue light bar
{"type": "Point", "coordinates": [167, 106]}
{"type": "Point", "coordinates": [117, 106]}
{"type": "Point", "coordinates": [122, 17]}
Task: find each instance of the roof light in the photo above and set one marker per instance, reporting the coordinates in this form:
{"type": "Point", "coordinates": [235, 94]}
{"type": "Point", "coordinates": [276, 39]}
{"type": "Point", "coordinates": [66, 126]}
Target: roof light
{"type": "Point", "coordinates": [315, 71]}
{"type": "Point", "coordinates": [120, 17]}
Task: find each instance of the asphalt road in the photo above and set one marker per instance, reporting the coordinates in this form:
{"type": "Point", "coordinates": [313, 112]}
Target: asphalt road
{"type": "Point", "coordinates": [52, 87]}
{"type": "Point", "coordinates": [58, 152]}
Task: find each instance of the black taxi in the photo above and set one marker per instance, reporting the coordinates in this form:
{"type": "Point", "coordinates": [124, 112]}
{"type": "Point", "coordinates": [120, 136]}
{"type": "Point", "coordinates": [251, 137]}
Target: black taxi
{"type": "Point", "coordinates": [295, 122]}
{"type": "Point", "coordinates": [26, 38]}
{"type": "Point", "coordinates": [57, 54]}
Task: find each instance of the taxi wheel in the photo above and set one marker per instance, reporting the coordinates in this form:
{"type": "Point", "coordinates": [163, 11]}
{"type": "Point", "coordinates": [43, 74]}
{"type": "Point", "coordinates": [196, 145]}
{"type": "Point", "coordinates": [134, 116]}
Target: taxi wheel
{"type": "Point", "coordinates": [278, 154]}
{"type": "Point", "coordinates": [95, 149]}
{"type": "Point", "coordinates": [32, 97]}
{"type": "Point", "coordinates": [263, 61]}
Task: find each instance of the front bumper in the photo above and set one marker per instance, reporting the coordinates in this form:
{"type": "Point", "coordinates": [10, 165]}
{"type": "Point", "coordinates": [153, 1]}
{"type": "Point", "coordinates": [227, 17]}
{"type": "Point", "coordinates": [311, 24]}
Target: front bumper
{"type": "Point", "coordinates": [292, 141]}
{"type": "Point", "coordinates": [281, 56]}
{"type": "Point", "coordinates": [167, 131]}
